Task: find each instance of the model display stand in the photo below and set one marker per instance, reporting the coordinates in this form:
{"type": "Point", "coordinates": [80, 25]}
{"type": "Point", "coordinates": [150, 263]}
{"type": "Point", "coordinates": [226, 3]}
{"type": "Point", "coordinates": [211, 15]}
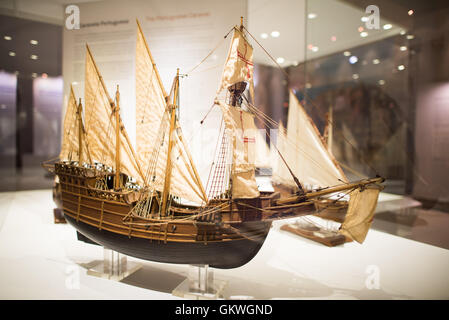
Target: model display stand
{"type": "Point", "coordinates": [114, 266]}
{"type": "Point", "coordinates": [200, 284]}
{"type": "Point", "coordinates": [58, 216]}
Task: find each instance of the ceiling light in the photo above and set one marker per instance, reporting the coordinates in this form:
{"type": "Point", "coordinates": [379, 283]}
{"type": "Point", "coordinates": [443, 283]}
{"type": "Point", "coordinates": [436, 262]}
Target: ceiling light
{"type": "Point", "coordinates": [347, 53]}
{"type": "Point", "coordinates": [264, 35]}
{"type": "Point", "coordinates": [333, 38]}
{"type": "Point", "coordinates": [410, 36]}
{"type": "Point", "coordinates": [387, 26]}
{"type": "Point", "coordinates": [280, 60]}
{"type": "Point", "coordinates": [311, 15]}
{"type": "Point", "coordinates": [353, 59]}
{"type": "Point", "coordinates": [315, 49]}
{"type": "Point", "coordinates": [403, 48]}
{"type": "Point", "coordinates": [7, 38]}
{"type": "Point", "coordinates": [12, 54]}
{"type": "Point", "coordinates": [381, 82]}
{"type": "Point", "coordinates": [364, 34]}
{"type": "Point", "coordinates": [275, 34]}
{"type": "Point", "coordinates": [364, 19]}
{"type": "Point", "coordinates": [376, 61]}
{"type": "Point", "coordinates": [34, 42]}
{"type": "Point", "coordinates": [74, 83]}
{"type": "Point", "coordinates": [33, 57]}
{"type": "Point", "coordinates": [355, 76]}
{"type": "Point", "coordinates": [410, 12]}
{"type": "Point", "coordinates": [402, 32]}
{"type": "Point", "coordinates": [401, 67]}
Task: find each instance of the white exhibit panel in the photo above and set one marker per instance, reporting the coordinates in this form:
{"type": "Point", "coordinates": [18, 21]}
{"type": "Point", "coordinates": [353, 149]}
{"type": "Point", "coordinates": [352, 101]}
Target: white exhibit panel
{"type": "Point", "coordinates": [180, 34]}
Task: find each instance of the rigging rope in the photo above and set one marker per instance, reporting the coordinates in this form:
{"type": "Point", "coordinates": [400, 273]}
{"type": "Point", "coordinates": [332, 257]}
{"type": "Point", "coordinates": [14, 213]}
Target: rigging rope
{"type": "Point", "coordinates": [210, 53]}
{"type": "Point", "coordinates": [311, 102]}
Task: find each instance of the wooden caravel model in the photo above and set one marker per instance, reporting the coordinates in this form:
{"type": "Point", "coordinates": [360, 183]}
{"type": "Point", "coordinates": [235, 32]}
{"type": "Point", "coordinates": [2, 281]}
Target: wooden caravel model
{"type": "Point", "coordinates": [150, 203]}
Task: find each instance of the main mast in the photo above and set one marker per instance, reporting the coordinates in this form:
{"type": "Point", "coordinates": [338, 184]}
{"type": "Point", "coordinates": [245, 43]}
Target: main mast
{"type": "Point", "coordinates": [168, 167]}
{"type": "Point", "coordinates": [117, 183]}
{"type": "Point", "coordinates": [80, 131]}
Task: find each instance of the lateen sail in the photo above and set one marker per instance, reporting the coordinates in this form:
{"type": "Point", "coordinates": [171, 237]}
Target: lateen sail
{"type": "Point", "coordinates": [306, 153]}
{"type": "Point", "coordinates": [150, 100]}
{"type": "Point", "coordinates": [262, 157]}
{"type": "Point", "coordinates": [100, 126]}
{"type": "Point", "coordinates": [152, 125]}
{"type": "Point", "coordinates": [238, 122]}
{"type": "Point", "coordinates": [360, 213]}
{"type": "Point", "coordinates": [70, 138]}
{"type": "Point", "coordinates": [281, 174]}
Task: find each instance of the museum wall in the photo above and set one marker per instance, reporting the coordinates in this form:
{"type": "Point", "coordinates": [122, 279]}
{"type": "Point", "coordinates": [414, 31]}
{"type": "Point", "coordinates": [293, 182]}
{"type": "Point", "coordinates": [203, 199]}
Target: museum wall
{"type": "Point", "coordinates": [30, 115]}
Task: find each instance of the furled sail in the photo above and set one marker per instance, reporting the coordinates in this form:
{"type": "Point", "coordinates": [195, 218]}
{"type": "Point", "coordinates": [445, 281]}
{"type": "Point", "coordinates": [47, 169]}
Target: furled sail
{"type": "Point", "coordinates": [307, 155]}
{"type": "Point", "coordinates": [239, 64]}
{"type": "Point", "coordinates": [70, 140]}
{"type": "Point", "coordinates": [152, 131]}
{"type": "Point", "coordinates": [101, 125]}
{"type": "Point", "coordinates": [239, 123]}
{"type": "Point", "coordinates": [150, 99]}
{"type": "Point", "coordinates": [360, 213]}
{"type": "Point", "coordinates": [243, 157]}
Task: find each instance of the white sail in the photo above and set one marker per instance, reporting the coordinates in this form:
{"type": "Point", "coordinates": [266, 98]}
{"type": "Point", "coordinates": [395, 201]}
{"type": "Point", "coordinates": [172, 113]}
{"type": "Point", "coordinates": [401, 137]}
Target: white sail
{"type": "Point", "coordinates": [185, 183]}
{"type": "Point", "coordinates": [243, 145]}
{"type": "Point", "coordinates": [238, 122]}
{"type": "Point", "coordinates": [150, 100]}
{"type": "Point", "coordinates": [101, 126]}
{"type": "Point", "coordinates": [307, 154]}
{"type": "Point", "coordinates": [239, 64]}
{"type": "Point", "coordinates": [360, 213]}
{"type": "Point", "coordinates": [152, 130]}
{"type": "Point", "coordinates": [281, 174]}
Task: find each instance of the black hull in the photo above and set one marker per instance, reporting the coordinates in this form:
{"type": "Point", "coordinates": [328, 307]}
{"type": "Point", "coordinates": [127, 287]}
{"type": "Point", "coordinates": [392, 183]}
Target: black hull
{"type": "Point", "coordinates": [221, 254]}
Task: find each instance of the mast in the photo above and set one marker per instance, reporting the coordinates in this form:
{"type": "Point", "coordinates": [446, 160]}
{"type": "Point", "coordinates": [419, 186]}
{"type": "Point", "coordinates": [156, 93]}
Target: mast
{"type": "Point", "coordinates": [80, 131]}
{"type": "Point", "coordinates": [168, 167]}
{"type": "Point", "coordinates": [328, 129]}
{"type": "Point", "coordinates": [117, 140]}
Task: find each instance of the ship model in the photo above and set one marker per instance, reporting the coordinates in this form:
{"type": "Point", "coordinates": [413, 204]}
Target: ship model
{"type": "Point", "coordinates": [150, 203]}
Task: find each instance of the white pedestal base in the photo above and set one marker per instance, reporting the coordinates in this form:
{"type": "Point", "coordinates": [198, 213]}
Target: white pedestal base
{"type": "Point", "coordinates": [114, 266]}
{"type": "Point", "coordinates": [200, 285]}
